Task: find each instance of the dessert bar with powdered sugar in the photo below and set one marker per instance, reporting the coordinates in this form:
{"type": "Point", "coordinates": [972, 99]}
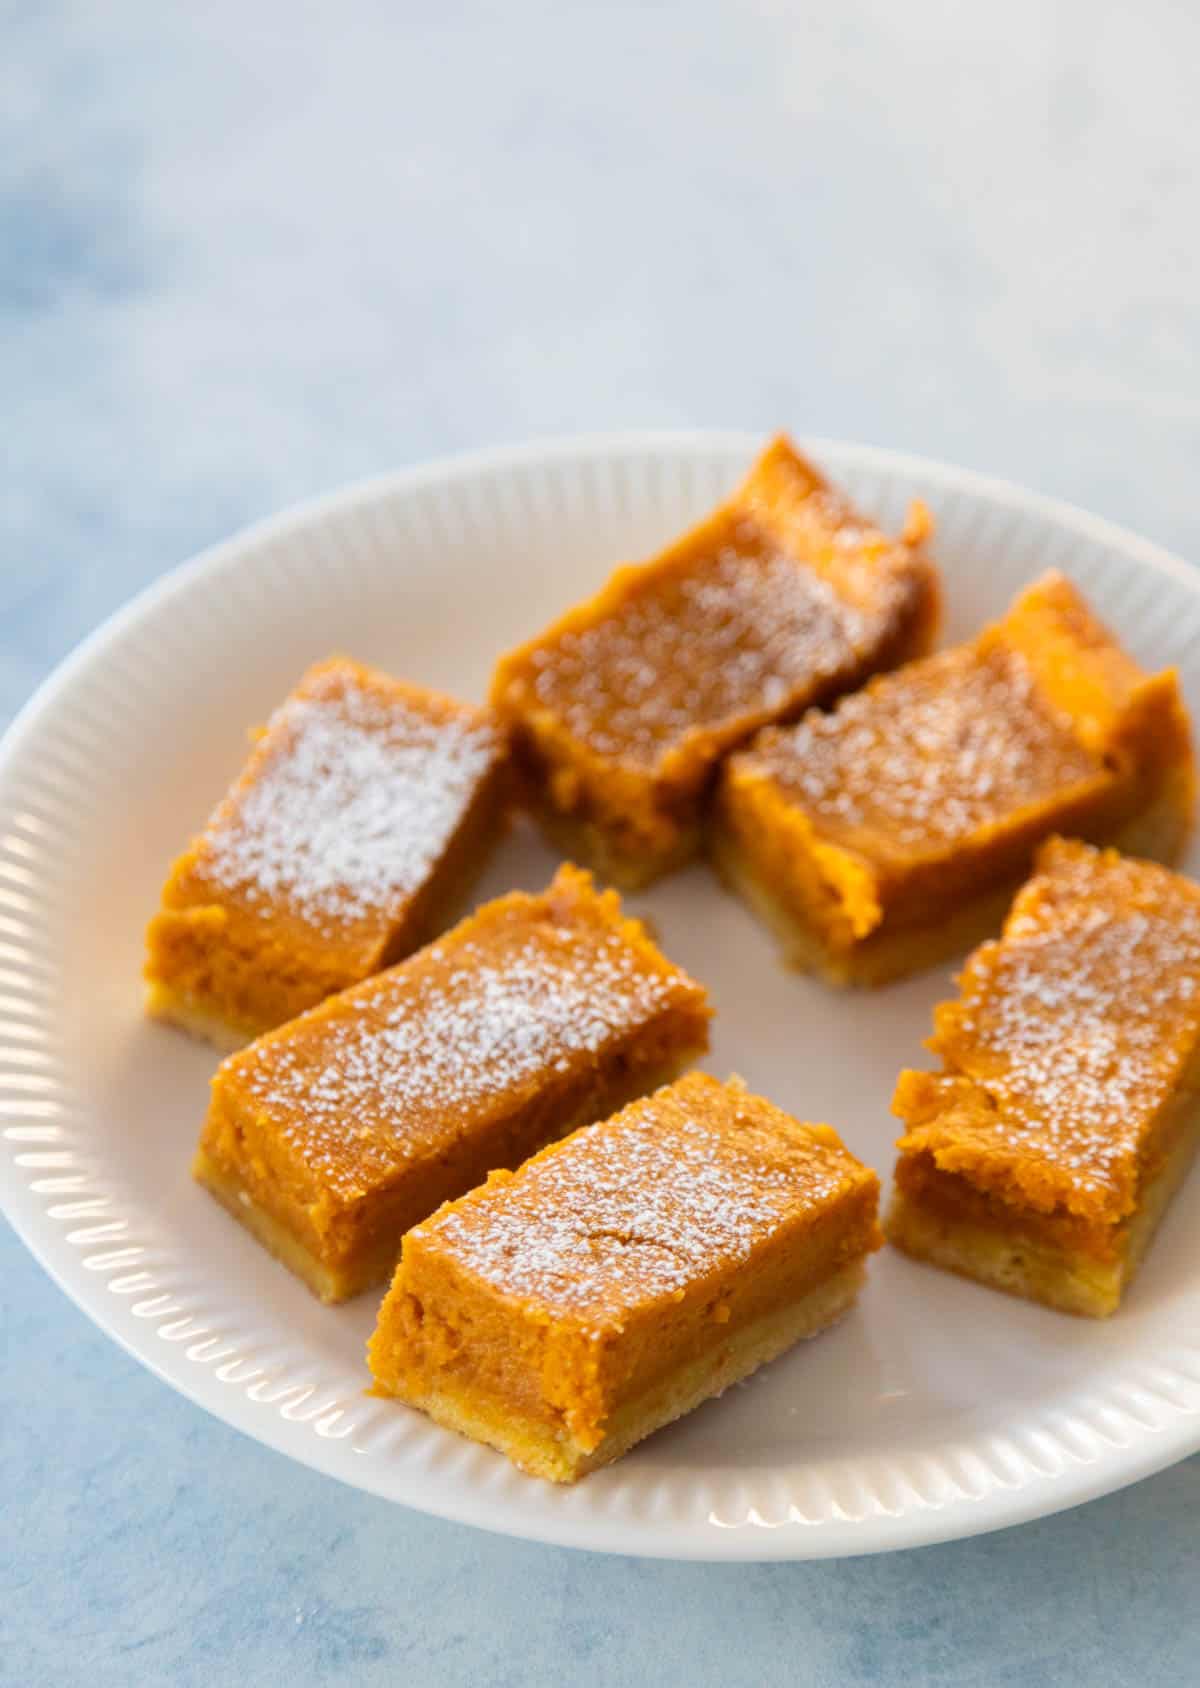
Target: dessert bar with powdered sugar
{"type": "Point", "coordinates": [330, 1137]}
{"type": "Point", "coordinates": [1067, 1111]}
{"type": "Point", "coordinates": [620, 1278]}
{"type": "Point", "coordinates": [621, 711]}
{"type": "Point", "coordinates": [890, 832]}
{"type": "Point", "coordinates": [352, 836]}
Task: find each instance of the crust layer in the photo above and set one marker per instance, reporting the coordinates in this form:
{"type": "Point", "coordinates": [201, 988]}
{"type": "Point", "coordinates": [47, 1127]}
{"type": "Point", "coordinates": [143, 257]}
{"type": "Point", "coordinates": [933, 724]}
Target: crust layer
{"type": "Point", "coordinates": [883, 835]}
{"type": "Point", "coordinates": [1159, 834]}
{"type": "Point", "coordinates": [177, 1008]}
{"type": "Point", "coordinates": [560, 1459]}
{"type": "Point", "coordinates": [1005, 1259]}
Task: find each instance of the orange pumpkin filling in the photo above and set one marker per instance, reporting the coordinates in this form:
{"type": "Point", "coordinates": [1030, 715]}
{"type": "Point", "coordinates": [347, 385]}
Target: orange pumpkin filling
{"type": "Point", "coordinates": [621, 710]}
{"type": "Point", "coordinates": [892, 830]}
{"type": "Point", "coordinates": [351, 837]}
{"type": "Point", "coordinates": [622, 1276]}
{"type": "Point", "coordinates": [331, 1136]}
{"type": "Point", "coordinates": [1042, 1156]}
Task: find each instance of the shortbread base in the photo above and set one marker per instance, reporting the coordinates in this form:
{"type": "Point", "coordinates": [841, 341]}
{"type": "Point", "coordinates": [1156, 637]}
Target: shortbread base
{"type": "Point", "coordinates": [331, 1283]}
{"type": "Point", "coordinates": [177, 1008]}
{"type": "Point", "coordinates": [877, 960]}
{"type": "Point", "coordinates": [1158, 834]}
{"type": "Point", "coordinates": [593, 846]}
{"type": "Point", "coordinates": [560, 1459]}
{"type": "Point", "coordinates": [1033, 1268]}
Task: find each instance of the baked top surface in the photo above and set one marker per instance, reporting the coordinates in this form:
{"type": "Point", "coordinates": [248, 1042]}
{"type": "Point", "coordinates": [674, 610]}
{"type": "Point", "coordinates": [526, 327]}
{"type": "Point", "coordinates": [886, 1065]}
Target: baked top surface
{"type": "Point", "coordinates": [966, 744]}
{"type": "Point", "coordinates": [927, 757]}
{"type": "Point", "coordinates": [1075, 1029]}
{"type": "Point", "coordinates": [350, 797]}
{"type": "Point", "coordinates": [527, 989]}
{"type": "Point", "coordinates": [678, 1187]}
{"type": "Point", "coordinates": [781, 590]}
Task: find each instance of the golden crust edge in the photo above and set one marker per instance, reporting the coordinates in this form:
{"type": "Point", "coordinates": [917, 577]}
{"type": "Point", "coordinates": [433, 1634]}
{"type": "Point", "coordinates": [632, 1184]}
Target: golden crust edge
{"type": "Point", "coordinates": [1035, 1271]}
{"type": "Point", "coordinates": [559, 1459]}
{"type": "Point", "coordinates": [1160, 833]}
{"type": "Point", "coordinates": [325, 1282]}
{"type": "Point", "coordinates": [177, 1008]}
{"type": "Point", "coordinates": [588, 843]}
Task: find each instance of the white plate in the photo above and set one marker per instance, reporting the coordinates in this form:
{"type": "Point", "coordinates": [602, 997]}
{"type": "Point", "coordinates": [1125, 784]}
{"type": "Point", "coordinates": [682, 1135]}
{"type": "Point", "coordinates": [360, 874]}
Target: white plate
{"type": "Point", "coordinates": [935, 1410]}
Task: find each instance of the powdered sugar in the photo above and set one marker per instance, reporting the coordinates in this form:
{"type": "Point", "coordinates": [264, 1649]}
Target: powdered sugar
{"type": "Point", "coordinates": [681, 1185]}
{"type": "Point", "coordinates": [747, 631]}
{"type": "Point", "coordinates": [930, 755]}
{"type": "Point", "coordinates": [468, 1030]}
{"type": "Point", "coordinates": [354, 794]}
{"type": "Point", "coordinates": [1082, 1020]}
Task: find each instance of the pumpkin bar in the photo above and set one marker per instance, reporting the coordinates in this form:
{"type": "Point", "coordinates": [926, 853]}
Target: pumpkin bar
{"type": "Point", "coordinates": [620, 1278]}
{"type": "Point", "coordinates": [330, 1137]}
{"type": "Point", "coordinates": [351, 838]}
{"type": "Point", "coordinates": [891, 831]}
{"type": "Point", "coordinates": [782, 598]}
{"type": "Point", "coordinates": [1043, 1155]}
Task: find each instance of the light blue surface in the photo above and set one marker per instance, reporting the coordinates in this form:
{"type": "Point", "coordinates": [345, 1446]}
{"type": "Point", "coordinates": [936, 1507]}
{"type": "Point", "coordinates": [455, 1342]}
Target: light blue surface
{"type": "Point", "coordinates": [248, 256]}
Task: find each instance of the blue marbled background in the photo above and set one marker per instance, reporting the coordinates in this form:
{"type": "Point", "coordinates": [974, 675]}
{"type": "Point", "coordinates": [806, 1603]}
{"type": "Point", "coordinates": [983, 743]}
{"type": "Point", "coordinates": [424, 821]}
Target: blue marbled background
{"type": "Point", "coordinates": [250, 250]}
